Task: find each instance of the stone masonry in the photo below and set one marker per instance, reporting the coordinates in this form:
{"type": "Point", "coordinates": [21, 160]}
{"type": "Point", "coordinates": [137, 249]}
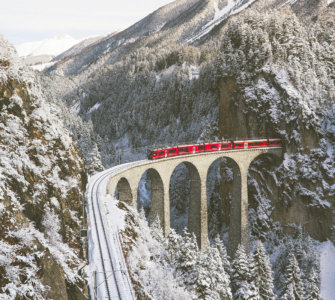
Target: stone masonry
{"type": "Point", "coordinates": [160, 172]}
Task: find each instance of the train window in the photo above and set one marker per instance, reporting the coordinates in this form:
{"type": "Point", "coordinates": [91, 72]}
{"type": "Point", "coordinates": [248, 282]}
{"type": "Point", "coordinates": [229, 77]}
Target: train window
{"type": "Point", "coordinates": [172, 150]}
{"type": "Point", "coordinates": [274, 142]}
{"type": "Point", "coordinates": [214, 146]}
{"type": "Point", "coordinates": [161, 152]}
{"type": "Point", "coordinates": [184, 149]}
{"type": "Point", "coordinates": [225, 145]}
{"type": "Point", "coordinates": [256, 143]}
{"type": "Point", "coordinates": [239, 144]}
{"type": "Point", "coordinates": [200, 147]}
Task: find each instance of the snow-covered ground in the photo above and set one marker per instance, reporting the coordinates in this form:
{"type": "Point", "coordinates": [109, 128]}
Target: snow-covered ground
{"type": "Point", "coordinates": [327, 264]}
{"type": "Point", "coordinates": [105, 254]}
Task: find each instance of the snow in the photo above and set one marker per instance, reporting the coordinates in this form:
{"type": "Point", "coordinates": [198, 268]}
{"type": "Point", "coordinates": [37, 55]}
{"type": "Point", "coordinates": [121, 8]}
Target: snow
{"type": "Point", "coordinates": [233, 7]}
{"type": "Point", "coordinates": [41, 67]}
{"type": "Point", "coordinates": [327, 264]}
{"type": "Point", "coordinates": [51, 46]}
{"type": "Point", "coordinates": [94, 107]}
{"type": "Point", "coordinates": [112, 221]}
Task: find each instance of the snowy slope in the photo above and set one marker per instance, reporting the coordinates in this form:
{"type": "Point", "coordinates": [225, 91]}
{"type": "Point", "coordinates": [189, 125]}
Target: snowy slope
{"type": "Point", "coordinates": [52, 46]}
{"type": "Point", "coordinates": [231, 8]}
{"type": "Point", "coordinates": [327, 264]}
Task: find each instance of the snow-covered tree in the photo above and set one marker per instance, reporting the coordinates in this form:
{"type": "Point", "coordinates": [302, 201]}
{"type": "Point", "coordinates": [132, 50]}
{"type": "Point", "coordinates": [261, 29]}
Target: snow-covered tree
{"type": "Point", "coordinates": [223, 253]}
{"type": "Point", "coordinates": [312, 286]}
{"type": "Point", "coordinates": [243, 286]}
{"type": "Point", "coordinates": [187, 259]}
{"type": "Point", "coordinates": [212, 280]}
{"type": "Point", "coordinates": [293, 284]}
{"type": "Point", "coordinates": [156, 230]}
{"type": "Point", "coordinates": [262, 273]}
{"type": "Point", "coordinates": [51, 224]}
{"type": "Point", "coordinates": [94, 161]}
{"type": "Point", "coordinates": [174, 242]}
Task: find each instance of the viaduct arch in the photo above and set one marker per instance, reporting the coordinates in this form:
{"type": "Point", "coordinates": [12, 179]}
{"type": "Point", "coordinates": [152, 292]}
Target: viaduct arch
{"type": "Point", "coordinates": [160, 172]}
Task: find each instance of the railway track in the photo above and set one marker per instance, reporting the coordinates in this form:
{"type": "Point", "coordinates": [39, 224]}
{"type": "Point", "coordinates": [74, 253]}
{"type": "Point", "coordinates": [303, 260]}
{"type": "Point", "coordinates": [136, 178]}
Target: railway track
{"type": "Point", "coordinates": [112, 279]}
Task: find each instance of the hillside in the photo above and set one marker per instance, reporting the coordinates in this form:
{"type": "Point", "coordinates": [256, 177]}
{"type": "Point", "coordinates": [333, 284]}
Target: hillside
{"type": "Point", "coordinates": [42, 54]}
{"type": "Point", "coordinates": [42, 181]}
{"type": "Point", "coordinates": [194, 71]}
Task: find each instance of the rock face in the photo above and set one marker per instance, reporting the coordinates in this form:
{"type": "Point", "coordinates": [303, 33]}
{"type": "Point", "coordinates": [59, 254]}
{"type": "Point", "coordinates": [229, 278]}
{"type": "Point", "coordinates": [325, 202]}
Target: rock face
{"type": "Point", "coordinates": [42, 181]}
{"type": "Point", "coordinates": [277, 82]}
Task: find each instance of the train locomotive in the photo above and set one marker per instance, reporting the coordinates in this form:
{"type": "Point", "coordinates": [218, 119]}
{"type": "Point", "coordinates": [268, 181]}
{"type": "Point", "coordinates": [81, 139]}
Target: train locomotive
{"type": "Point", "coordinates": [210, 147]}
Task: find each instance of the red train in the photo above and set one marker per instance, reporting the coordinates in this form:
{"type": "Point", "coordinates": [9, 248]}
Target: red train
{"type": "Point", "coordinates": [209, 147]}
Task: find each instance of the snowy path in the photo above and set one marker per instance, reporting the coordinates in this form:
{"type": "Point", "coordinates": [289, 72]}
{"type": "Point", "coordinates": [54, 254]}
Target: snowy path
{"type": "Point", "coordinates": [105, 253]}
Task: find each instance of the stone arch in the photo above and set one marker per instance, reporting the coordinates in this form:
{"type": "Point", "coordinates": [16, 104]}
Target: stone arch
{"type": "Point", "coordinates": [156, 195]}
{"type": "Point", "coordinates": [224, 197]}
{"type": "Point", "coordinates": [194, 223]}
{"type": "Point", "coordinates": [124, 191]}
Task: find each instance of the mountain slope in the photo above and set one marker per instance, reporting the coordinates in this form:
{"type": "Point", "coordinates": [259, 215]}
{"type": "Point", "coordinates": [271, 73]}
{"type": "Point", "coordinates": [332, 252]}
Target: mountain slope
{"type": "Point", "coordinates": [42, 180]}
{"type": "Point", "coordinates": [267, 71]}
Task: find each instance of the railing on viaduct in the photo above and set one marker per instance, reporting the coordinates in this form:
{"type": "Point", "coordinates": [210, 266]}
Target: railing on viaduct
{"type": "Point", "coordinates": [198, 165]}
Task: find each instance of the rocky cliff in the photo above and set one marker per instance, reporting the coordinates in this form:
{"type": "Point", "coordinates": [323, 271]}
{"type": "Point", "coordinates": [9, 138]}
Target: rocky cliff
{"type": "Point", "coordinates": [42, 181]}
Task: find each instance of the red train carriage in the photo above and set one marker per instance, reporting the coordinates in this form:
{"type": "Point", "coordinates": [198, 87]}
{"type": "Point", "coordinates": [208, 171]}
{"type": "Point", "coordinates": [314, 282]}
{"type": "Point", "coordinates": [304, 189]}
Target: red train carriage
{"type": "Point", "coordinates": [240, 144]}
{"type": "Point", "coordinates": [191, 149]}
{"type": "Point", "coordinates": [226, 145]}
{"type": "Point", "coordinates": [186, 149]}
{"type": "Point", "coordinates": [155, 154]}
{"type": "Point", "coordinates": [170, 152]}
{"type": "Point", "coordinates": [257, 143]}
{"type": "Point", "coordinates": [210, 147]}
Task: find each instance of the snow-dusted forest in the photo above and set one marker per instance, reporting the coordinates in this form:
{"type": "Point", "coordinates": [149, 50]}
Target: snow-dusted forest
{"type": "Point", "coordinates": [193, 71]}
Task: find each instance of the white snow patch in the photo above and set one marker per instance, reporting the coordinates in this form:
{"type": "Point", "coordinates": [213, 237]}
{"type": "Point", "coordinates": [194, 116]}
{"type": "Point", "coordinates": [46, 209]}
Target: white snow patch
{"type": "Point", "coordinates": [41, 67]}
{"type": "Point", "coordinates": [233, 7]}
{"type": "Point", "coordinates": [327, 264]}
{"type": "Point", "coordinates": [94, 107]}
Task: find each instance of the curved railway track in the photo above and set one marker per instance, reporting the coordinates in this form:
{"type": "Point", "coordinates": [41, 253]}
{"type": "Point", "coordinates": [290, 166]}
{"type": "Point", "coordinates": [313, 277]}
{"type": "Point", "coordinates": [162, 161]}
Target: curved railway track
{"type": "Point", "coordinates": [112, 280]}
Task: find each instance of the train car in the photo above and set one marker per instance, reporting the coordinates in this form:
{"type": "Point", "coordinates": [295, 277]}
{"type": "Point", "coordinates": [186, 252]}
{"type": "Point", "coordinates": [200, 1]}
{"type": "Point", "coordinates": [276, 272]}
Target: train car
{"type": "Point", "coordinates": [212, 147]}
{"type": "Point", "coordinates": [226, 145]}
{"type": "Point", "coordinates": [156, 154]}
{"type": "Point", "coordinates": [170, 152]}
{"type": "Point", "coordinates": [199, 148]}
{"type": "Point", "coordinates": [191, 149]}
{"type": "Point", "coordinates": [186, 149]}
{"type": "Point", "coordinates": [240, 144]}
{"type": "Point", "coordinates": [257, 143]}
{"type": "Point", "coordinates": [274, 143]}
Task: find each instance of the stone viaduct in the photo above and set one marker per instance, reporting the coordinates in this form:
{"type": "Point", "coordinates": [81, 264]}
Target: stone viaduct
{"type": "Point", "coordinates": [160, 172]}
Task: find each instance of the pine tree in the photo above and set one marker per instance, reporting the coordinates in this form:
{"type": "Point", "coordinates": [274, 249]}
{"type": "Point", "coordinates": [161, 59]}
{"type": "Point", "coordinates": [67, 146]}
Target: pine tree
{"type": "Point", "coordinates": [156, 230]}
{"type": "Point", "coordinates": [262, 273]}
{"type": "Point", "coordinates": [212, 280]}
{"type": "Point", "coordinates": [312, 286]}
{"type": "Point", "coordinates": [94, 161]}
{"type": "Point", "coordinates": [174, 243]}
{"type": "Point", "coordinates": [293, 284]}
{"type": "Point", "coordinates": [223, 253]}
{"type": "Point", "coordinates": [242, 282]}
{"type": "Point", "coordinates": [187, 259]}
